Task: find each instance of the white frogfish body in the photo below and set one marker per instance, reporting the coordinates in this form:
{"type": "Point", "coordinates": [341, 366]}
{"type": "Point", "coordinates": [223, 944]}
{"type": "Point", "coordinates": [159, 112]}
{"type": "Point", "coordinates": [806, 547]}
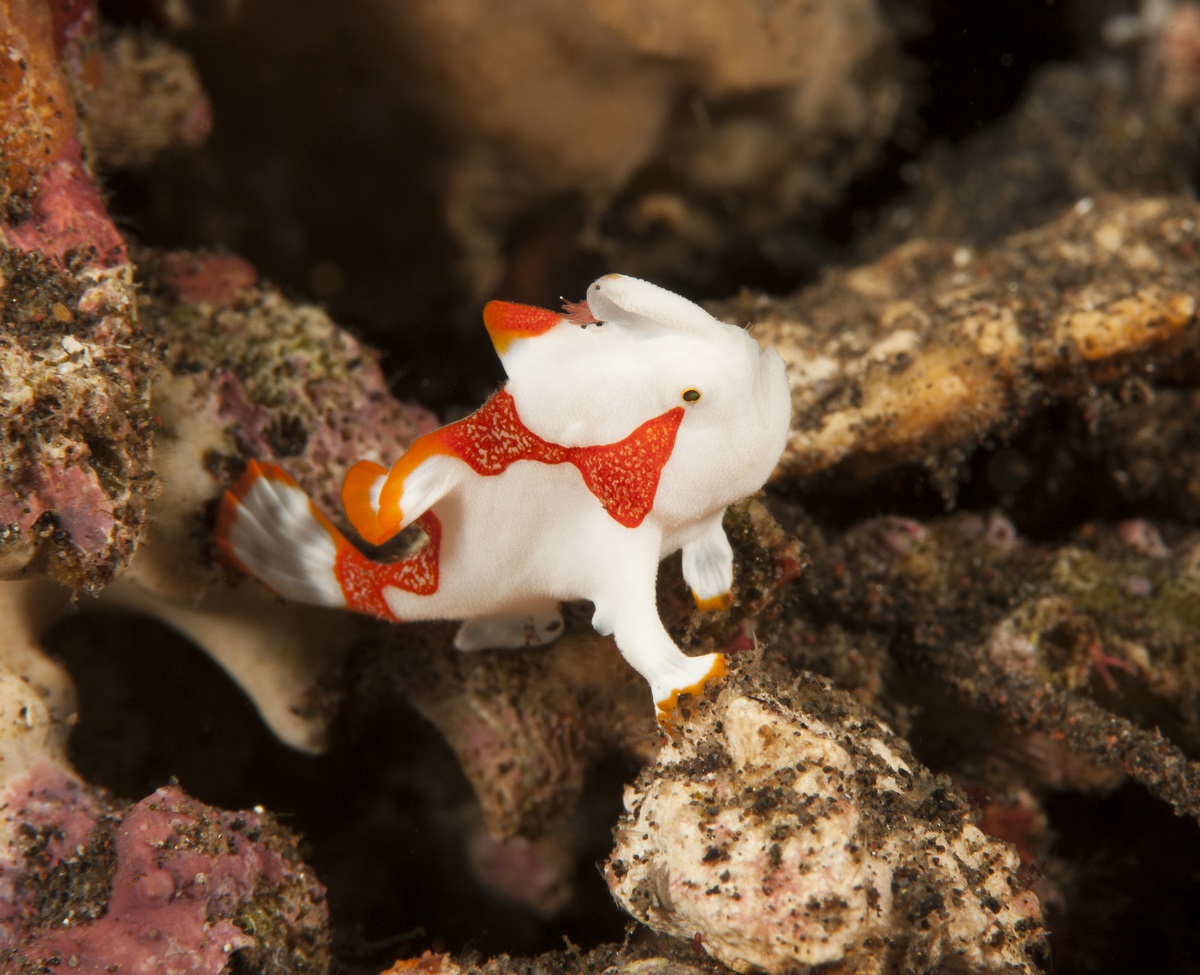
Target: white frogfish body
{"type": "Point", "coordinates": [625, 429]}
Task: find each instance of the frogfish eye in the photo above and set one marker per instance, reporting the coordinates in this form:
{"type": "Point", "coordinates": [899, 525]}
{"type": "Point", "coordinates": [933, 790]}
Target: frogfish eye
{"type": "Point", "coordinates": [690, 395]}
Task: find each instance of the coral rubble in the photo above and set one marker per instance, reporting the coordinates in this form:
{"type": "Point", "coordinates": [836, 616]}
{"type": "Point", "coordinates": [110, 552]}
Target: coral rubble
{"type": "Point", "coordinates": [148, 99]}
{"type": "Point", "coordinates": [75, 435]}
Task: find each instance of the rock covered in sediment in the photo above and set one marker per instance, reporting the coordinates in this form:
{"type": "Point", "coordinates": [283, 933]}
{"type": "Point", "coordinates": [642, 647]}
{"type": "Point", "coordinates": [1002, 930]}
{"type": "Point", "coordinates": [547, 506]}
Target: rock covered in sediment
{"type": "Point", "coordinates": [791, 831]}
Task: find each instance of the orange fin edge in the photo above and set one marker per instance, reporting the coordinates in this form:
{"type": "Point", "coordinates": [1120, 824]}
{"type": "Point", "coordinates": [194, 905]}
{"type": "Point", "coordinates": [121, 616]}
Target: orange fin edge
{"type": "Point", "coordinates": [713, 604]}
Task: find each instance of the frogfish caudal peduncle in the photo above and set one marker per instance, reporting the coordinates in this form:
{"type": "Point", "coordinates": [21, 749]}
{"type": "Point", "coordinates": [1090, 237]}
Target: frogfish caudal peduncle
{"type": "Point", "coordinates": [629, 422]}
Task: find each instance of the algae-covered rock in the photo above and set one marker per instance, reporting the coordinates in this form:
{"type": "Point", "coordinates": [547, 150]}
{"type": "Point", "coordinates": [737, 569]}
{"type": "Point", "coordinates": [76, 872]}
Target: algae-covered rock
{"type": "Point", "coordinates": [75, 420]}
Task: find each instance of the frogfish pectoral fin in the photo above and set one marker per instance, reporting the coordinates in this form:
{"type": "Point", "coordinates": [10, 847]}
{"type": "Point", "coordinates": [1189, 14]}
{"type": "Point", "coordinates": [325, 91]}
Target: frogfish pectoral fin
{"type": "Point", "coordinates": [380, 503]}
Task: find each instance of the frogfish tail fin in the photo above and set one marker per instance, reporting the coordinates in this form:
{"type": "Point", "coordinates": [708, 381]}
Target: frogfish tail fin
{"type": "Point", "coordinates": [269, 528]}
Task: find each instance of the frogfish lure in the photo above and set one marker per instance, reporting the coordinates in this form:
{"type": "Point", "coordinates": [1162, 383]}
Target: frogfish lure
{"type": "Point", "coordinates": [629, 422]}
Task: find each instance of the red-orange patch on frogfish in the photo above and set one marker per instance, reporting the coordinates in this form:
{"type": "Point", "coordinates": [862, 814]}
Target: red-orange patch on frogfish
{"type": "Point", "coordinates": [623, 476]}
{"type": "Point", "coordinates": [363, 580]}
